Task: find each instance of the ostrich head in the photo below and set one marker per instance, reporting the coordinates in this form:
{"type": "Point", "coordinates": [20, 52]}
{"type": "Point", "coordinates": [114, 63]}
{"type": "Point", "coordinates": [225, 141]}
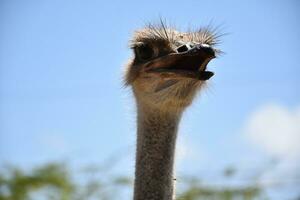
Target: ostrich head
{"type": "Point", "coordinates": [169, 67]}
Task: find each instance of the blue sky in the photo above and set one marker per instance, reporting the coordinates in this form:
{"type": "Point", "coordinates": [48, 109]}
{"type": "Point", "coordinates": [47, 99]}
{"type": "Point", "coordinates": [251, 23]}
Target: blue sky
{"type": "Point", "coordinates": [61, 94]}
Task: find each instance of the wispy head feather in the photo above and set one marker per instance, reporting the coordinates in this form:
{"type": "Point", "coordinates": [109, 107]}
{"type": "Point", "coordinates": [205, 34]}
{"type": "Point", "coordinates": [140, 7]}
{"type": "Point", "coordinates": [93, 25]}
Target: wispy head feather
{"type": "Point", "coordinates": [161, 32]}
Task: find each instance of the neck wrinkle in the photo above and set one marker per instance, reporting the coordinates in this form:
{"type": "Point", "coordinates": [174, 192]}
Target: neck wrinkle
{"type": "Point", "coordinates": [156, 140]}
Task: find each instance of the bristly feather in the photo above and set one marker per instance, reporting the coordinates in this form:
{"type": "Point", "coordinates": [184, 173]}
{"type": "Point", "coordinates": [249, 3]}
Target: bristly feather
{"type": "Point", "coordinates": [162, 32]}
{"type": "Point", "coordinates": [154, 32]}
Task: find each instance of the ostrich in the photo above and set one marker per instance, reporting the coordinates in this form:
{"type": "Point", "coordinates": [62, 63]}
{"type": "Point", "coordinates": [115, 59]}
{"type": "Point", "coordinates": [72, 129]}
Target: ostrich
{"type": "Point", "coordinates": [167, 70]}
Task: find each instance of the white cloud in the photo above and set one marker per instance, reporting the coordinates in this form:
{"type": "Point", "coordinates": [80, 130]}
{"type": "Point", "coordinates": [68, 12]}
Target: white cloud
{"type": "Point", "coordinates": [276, 130]}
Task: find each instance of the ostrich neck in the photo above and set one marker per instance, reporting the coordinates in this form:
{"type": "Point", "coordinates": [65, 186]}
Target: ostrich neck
{"type": "Point", "coordinates": [156, 139]}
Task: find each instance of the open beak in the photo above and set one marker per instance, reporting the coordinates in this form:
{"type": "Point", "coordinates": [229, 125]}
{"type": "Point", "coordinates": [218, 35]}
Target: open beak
{"type": "Point", "coordinates": [189, 61]}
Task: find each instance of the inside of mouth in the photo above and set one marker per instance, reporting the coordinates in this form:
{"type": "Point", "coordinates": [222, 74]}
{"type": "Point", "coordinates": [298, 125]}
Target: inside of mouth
{"type": "Point", "coordinates": [188, 66]}
{"type": "Point", "coordinates": [191, 64]}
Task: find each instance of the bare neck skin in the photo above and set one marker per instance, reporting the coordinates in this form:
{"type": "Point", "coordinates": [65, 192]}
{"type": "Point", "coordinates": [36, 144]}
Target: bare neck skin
{"type": "Point", "coordinates": [156, 140]}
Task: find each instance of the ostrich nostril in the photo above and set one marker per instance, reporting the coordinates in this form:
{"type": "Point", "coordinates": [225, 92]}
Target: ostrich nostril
{"type": "Point", "coordinates": [182, 48]}
{"type": "Point", "coordinates": [185, 47]}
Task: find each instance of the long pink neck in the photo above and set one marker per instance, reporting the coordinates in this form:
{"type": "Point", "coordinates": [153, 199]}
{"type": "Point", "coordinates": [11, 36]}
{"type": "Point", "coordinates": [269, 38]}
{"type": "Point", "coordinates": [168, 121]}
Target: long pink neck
{"type": "Point", "coordinates": [156, 140]}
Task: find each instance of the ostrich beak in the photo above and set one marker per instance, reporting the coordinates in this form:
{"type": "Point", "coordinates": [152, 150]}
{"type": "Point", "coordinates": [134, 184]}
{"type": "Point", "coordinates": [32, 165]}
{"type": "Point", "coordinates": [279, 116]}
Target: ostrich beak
{"type": "Point", "coordinates": [189, 61]}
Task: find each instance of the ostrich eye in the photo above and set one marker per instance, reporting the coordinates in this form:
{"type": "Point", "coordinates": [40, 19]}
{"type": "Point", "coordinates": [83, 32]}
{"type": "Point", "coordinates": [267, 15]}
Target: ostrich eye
{"type": "Point", "coordinates": [144, 51]}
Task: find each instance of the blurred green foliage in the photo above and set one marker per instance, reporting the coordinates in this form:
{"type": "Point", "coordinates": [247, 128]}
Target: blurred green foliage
{"type": "Point", "coordinates": [57, 182]}
{"type": "Point", "coordinates": [17, 185]}
{"type": "Point", "coordinates": [202, 192]}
